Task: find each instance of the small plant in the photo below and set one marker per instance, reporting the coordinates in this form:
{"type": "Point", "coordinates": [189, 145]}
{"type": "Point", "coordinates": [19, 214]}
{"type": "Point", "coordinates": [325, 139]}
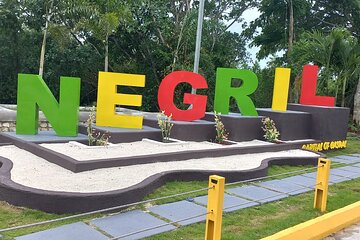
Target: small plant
{"type": "Point", "coordinates": [165, 125]}
{"type": "Point", "coordinates": [221, 133]}
{"type": "Point", "coordinates": [271, 133]}
{"type": "Point", "coordinates": [354, 127]}
{"type": "Point", "coordinates": [95, 138]}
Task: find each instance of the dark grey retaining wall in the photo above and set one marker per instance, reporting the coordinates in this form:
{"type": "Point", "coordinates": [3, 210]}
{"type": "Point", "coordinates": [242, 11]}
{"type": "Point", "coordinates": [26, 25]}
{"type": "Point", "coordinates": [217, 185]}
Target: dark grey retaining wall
{"type": "Point", "coordinates": [292, 125]}
{"type": "Point", "coordinates": [67, 202]}
{"type": "Point", "coordinates": [327, 123]}
{"type": "Point", "coordinates": [125, 135]}
{"type": "Point", "coordinates": [199, 130]}
{"type": "Point", "coordinates": [299, 122]}
{"type": "Point", "coordinates": [240, 128]}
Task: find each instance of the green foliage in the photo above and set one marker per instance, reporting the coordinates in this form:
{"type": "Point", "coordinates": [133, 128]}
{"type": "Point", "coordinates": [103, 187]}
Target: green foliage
{"type": "Point", "coordinates": [221, 133]}
{"type": "Point", "coordinates": [95, 138]}
{"type": "Point", "coordinates": [155, 38]}
{"type": "Point", "coordinates": [262, 97]}
{"type": "Point", "coordinates": [271, 133]}
{"type": "Point", "coordinates": [322, 15]}
{"type": "Point", "coordinates": [326, 20]}
{"type": "Point", "coordinates": [165, 125]}
{"type": "Point", "coordinates": [338, 56]}
{"type": "Point", "coordinates": [353, 127]}
{"type": "Point", "coordinates": [273, 21]}
{"type": "Point", "coordinates": [142, 38]}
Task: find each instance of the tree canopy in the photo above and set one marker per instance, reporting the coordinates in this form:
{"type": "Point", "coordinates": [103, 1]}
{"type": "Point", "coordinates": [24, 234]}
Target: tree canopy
{"type": "Point", "coordinates": [140, 37]}
{"type": "Point", "coordinates": [82, 37]}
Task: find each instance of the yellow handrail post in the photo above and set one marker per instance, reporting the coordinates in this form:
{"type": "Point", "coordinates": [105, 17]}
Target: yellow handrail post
{"type": "Point", "coordinates": [215, 207]}
{"type": "Point", "coordinates": [322, 183]}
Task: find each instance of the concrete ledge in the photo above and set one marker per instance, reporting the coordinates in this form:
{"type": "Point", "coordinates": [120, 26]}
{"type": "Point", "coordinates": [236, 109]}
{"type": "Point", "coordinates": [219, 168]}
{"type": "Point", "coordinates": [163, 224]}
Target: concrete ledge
{"type": "Point", "coordinates": [86, 165]}
{"type": "Point", "coordinates": [321, 227]}
{"type": "Point", "coordinates": [8, 119]}
{"type": "Point", "coordinates": [7, 114]}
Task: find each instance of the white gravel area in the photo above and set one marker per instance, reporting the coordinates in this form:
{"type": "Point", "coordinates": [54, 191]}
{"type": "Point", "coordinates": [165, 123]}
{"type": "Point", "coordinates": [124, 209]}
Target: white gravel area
{"type": "Point", "coordinates": [82, 152]}
{"type": "Point", "coordinates": [32, 171]}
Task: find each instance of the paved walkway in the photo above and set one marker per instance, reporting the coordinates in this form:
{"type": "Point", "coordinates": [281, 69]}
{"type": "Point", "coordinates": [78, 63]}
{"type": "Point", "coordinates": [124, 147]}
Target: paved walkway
{"type": "Point", "coordinates": [137, 224]}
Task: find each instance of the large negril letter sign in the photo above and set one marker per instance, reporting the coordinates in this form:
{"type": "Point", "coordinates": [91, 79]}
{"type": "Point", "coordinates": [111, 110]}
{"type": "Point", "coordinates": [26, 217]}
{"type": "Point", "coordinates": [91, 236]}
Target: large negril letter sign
{"type": "Point", "coordinates": [33, 94]}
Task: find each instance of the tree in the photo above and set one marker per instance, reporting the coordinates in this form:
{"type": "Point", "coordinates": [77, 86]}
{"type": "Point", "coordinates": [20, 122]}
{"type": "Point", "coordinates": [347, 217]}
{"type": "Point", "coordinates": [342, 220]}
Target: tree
{"type": "Point", "coordinates": [49, 8]}
{"type": "Point", "coordinates": [164, 36]}
{"type": "Point", "coordinates": [84, 36]}
{"type": "Point", "coordinates": [338, 56]}
{"type": "Point", "coordinates": [330, 14]}
{"type": "Point", "coordinates": [10, 47]}
{"type": "Point", "coordinates": [108, 15]}
{"type": "Point", "coordinates": [291, 25]}
{"type": "Point", "coordinates": [348, 64]}
{"type": "Point", "coordinates": [274, 30]}
{"type": "Point", "coordinates": [356, 114]}
{"type": "Point", "coordinates": [282, 22]}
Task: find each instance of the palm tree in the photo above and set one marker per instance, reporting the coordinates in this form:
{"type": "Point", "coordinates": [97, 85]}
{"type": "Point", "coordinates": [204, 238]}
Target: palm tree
{"type": "Point", "coordinates": [291, 26]}
{"type": "Point", "coordinates": [63, 20]}
{"type": "Point", "coordinates": [102, 29]}
{"type": "Point", "coordinates": [337, 55]}
{"type": "Point", "coordinates": [43, 45]}
{"type": "Point", "coordinates": [349, 63]}
{"type": "Point", "coordinates": [110, 13]}
{"type": "Point", "coordinates": [356, 113]}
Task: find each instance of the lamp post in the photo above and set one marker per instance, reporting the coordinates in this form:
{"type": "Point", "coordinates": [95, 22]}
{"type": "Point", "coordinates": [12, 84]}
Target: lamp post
{"type": "Point", "coordinates": [198, 39]}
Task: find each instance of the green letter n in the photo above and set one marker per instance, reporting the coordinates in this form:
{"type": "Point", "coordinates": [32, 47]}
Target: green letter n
{"type": "Point", "coordinates": [34, 93]}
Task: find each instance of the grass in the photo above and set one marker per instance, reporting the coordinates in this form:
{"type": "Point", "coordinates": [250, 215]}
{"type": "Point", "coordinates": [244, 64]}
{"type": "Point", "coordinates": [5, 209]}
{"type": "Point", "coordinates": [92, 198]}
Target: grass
{"type": "Point", "coordinates": [251, 223]}
{"type": "Point", "coordinates": [353, 146]}
{"type": "Point", "coordinates": [258, 222]}
{"type": "Point", "coordinates": [11, 216]}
